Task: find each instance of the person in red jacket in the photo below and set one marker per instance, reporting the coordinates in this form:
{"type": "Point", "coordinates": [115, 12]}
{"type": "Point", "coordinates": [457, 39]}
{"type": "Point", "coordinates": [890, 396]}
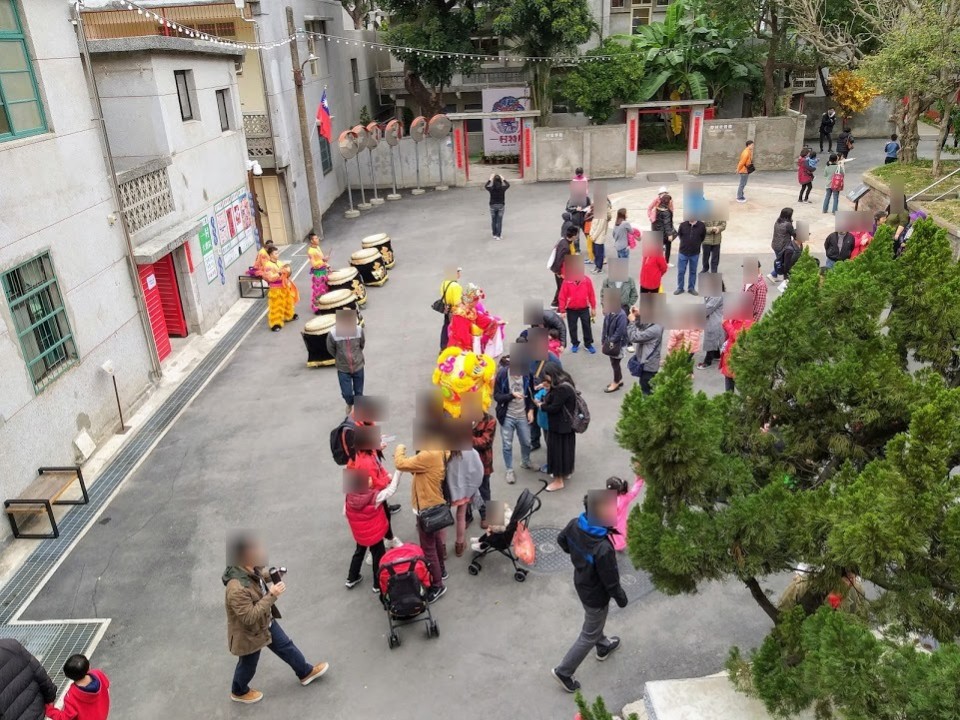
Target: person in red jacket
{"type": "Point", "coordinates": [653, 267]}
{"type": "Point", "coordinates": [467, 321]}
{"type": "Point", "coordinates": [367, 460]}
{"type": "Point", "coordinates": [88, 697]}
{"type": "Point", "coordinates": [734, 326]}
{"type": "Point", "coordinates": [578, 302]}
{"type": "Point", "coordinates": [363, 507]}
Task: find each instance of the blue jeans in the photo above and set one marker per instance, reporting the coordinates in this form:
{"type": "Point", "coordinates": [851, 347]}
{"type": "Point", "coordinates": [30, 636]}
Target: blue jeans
{"type": "Point", "coordinates": [625, 253]}
{"type": "Point", "coordinates": [683, 262]}
{"type": "Point", "coordinates": [282, 647]}
{"type": "Point", "coordinates": [496, 219]}
{"type": "Point", "coordinates": [522, 428]}
{"type": "Point", "coordinates": [599, 253]}
{"type": "Point", "coordinates": [351, 385]}
{"type": "Point", "coordinates": [743, 184]}
{"type": "Point", "coordinates": [826, 199]}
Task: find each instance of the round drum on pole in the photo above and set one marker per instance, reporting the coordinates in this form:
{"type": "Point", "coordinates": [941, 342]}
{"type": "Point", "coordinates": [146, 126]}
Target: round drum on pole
{"type": "Point", "coordinates": [439, 129]}
{"type": "Point", "coordinates": [391, 135]}
{"type": "Point", "coordinates": [349, 147]}
{"type": "Point", "coordinates": [373, 139]}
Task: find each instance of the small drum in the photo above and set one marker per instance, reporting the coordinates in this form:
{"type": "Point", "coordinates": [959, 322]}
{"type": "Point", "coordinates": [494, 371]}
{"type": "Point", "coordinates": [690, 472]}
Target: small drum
{"type": "Point", "coordinates": [348, 279]}
{"type": "Point", "coordinates": [330, 302]}
{"type": "Point", "coordinates": [381, 241]}
{"type": "Point", "coordinates": [315, 338]}
{"type": "Point", "coordinates": [369, 263]}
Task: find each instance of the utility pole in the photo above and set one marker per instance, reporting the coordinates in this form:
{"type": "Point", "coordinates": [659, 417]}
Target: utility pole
{"type": "Point", "coordinates": [305, 133]}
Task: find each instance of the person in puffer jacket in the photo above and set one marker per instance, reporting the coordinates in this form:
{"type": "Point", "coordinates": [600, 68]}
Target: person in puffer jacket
{"type": "Point", "coordinates": [25, 687]}
{"type": "Point", "coordinates": [368, 522]}
{"type": "Point", "coordinates": [596, 578]}
{"type": "Point", "coordinates": [346, 342]}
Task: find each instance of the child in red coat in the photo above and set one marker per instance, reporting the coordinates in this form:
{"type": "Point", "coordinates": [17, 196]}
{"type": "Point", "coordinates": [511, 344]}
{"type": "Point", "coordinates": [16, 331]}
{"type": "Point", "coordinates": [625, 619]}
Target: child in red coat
{"type": "Point", "coordinates": [653, 268]}
{"type": "Point", "coordinates": [88, 697]}
{"type": "Point", "coordinates": [363, 507]}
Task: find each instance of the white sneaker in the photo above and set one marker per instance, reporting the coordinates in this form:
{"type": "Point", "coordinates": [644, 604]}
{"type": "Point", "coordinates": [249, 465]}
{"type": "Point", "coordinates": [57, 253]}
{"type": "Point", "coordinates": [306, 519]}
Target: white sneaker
{"type": "Point", "coordinates": [369, 559]}
{"type": "Point", "coordinates": [511, 478]}
{"type": "Point", "coordinates": [631, 349]}
{"type": "Point", "coordinates": [396, 542]}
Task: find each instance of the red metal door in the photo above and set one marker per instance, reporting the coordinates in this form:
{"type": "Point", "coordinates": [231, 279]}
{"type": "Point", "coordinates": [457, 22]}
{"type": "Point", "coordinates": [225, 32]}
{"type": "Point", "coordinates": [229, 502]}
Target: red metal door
{"type": "Point", "coordinates": [148, 281]}
{"type": "Point", "coordinates": [170, 296]}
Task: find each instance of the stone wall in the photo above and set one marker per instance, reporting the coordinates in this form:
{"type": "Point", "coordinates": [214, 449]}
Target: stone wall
{"type": "Point", "coordinates": [874, 122]}
{"type": "Point", "coordinates": [777, 143]}
{"type": "Point", "coordinates": [598, 149]}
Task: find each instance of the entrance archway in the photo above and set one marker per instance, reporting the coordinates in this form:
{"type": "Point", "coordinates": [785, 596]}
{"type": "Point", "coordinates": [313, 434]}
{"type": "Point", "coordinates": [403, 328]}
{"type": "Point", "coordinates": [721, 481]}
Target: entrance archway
{"type": "Point", "coordinates": [697, 111]}
{"type": "Point", "coordinates": [526, 165]}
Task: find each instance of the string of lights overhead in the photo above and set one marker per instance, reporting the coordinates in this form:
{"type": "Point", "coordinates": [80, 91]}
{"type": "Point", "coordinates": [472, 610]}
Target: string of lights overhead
{"type": "Point", "coordinates": [193, 33]}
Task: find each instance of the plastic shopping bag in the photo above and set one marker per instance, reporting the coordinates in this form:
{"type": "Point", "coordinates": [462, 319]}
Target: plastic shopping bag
{"type": "Point", "coordinates": [523, 545]}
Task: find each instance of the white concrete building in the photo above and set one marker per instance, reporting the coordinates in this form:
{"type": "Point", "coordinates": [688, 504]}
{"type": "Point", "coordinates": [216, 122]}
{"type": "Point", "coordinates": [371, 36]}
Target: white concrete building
{"type": "Point", "coordinates": [68, 292]}
{"type": "Point", "coordinates": [173, 119]}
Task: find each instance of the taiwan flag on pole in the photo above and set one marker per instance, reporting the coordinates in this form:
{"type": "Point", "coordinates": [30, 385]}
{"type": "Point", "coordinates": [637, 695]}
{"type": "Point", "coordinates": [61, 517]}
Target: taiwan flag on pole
{"type": "Point", "coordinates": [323, 118]}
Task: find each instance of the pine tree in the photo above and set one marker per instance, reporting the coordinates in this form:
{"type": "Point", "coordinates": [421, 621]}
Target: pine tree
{"type": "Point", "coordinates": [836, 453]}
{"type": "Point", "coordinates": [597, 711]}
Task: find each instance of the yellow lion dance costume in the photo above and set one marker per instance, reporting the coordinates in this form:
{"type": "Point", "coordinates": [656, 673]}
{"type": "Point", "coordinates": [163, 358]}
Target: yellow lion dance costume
{"type": "Point", "coordinates": [458, 373]}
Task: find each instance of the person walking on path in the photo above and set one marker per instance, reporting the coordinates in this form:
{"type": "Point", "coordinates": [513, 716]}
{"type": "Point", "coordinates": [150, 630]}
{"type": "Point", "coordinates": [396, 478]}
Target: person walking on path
{"type": "Point", "coordinates": [596, 578]}
{"type": "Point", "coordinates": [561, 251]}
{"type": "Point", "coordinates": [647, 337]}
{"type": "Point", "coordinates": [463, 477]}
{"type": "Point", "coordinates": [252, 624]}
{"type": "Point", "coordinates": [451, 293]}
{"type": "Point", "coordinates": [484, 430]}
{"type": "Point", "coordinates": [711, 245]}
{"type": "Point", "coordinates": [827, 121]}
{"type": "Point", "coordinates": [613, 336]}
{"type": "Point", "coordinates": [692, 233]}
{"type": "Point", "coordinates": [578, 302]}
{"type": "Point", "coordinates": [88, 697]}
{"type": "Point", "coordinates": [25, 687]}
{"type": "Point", "coordinates": [713, 334]}
{"type": "Point", "coordinates": [346, 342]}
{"type": "Point", "coordinates": [804, 176]}
{"type": "Point", "coordinates": [744, 168]}
{"type": "Point", "coordinates": [369, 521]}
{"type": "Point", "coordinates": [653, 268]}
{"type": "Point", "coordinates": [756, 287]}
{"type": "Point", "coordinates": [783, 230]}
{"type": "Point", "coordinates": [514, 398]}
{"type": "Point", "coordinates": [497, 187]}
{"type": "Point", "coordinates": [834, 174]}
{"type": "Point", "coordinates": [626, 494]}
{"type": "Point", "coordinates": [621, 234]}
{"type": "Point", "coordinates": [838, 247]}
{"type": "Point", "coordinates": [560, 404]}
{"type": "Point", "coordinates": [733, 327]}
{"type": "Point", "coordinates": [891, 151]}
{"type": "Point", "coordinates": [428, 468]}
{"type": "Point", "coordinates": [598, 236]}
{"type": "Point", "coordinates": [844, 143]}
{"type": "Point", "coordinates": [664, 225]}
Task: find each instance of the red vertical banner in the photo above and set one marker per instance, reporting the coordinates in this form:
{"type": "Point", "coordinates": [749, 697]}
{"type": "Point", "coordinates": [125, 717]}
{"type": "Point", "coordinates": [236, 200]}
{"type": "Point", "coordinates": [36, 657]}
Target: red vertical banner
{"type": "Point", "coordinates": [695, 140]}
{"type": "Point", "coordinates": [527, 143]}
{"type": "Point", "coordinates": [633, 134]}
{"type": "Point", "coordinates": [458, 146]}
{"type": "Point", "coordinates": [186, 250]}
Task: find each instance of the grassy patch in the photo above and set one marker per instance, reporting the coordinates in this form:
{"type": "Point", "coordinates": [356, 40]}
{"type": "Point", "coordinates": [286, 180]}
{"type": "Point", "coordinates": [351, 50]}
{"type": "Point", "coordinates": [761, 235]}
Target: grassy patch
{"type": "Point", "coordinates": [946, 210]}
{"type": "Point", "coordinates": [914, 175]}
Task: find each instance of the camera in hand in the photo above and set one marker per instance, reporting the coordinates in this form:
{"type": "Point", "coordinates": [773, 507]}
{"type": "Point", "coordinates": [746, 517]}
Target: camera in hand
{"type": "Point", "coordinates": [276, 574]}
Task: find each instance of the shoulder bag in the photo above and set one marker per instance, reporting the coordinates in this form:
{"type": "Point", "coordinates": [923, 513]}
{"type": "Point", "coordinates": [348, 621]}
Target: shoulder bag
{"type": "Point", "coordinates": [440, 304]}
{"type": "Point", "coordinates": [436, 517]}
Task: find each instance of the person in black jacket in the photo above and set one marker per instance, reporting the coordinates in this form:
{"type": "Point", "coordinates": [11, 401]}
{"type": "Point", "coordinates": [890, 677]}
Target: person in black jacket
{"type": "Point", "coordinates": [692, 233]}
{"type": "Point", "coordinates": [515, 411]}
{"type": "Point", "coordinates": [838, 246]}
{"type": "Point", "coordinates": [560, 253]}
{"type": "Point", "coordinates": [560, 403]}
{"type": "Point", "coordinates": [25, 687]}
{"type": "Point", "coordinates": [497, 187]}
{"type": "Point", "coordinates": [827, 121]}
{"type": "Point", "coordinates": [596, 578]}
{"type": "Point", "coordinates": [790, 254]}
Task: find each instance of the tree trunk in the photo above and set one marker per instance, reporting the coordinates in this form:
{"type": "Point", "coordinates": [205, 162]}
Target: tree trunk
{"type": "Point", "coordinates": [430, 102]}
{"type": "Point", "coordinates": [907, 116]}
{"type": "Point", "coordinates": [541, 92]}
{"type": "Point", "coordinates": [770, 68]}
{"type": "Point", "coordinates": [948, 106]}
{"type": "Point", "coordinates": [761, 599]}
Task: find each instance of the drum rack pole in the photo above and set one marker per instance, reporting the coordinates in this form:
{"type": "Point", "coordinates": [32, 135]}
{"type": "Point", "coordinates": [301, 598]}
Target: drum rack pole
{"type": "Point", "coordinates": [376, 200]}
{"type": "Point", "coordinates": [416, 149]}
{"type": "Point", "coordinates": [352, 212]}
{"type": "Point", "coordinates": [364, 205]}
{"type": "Point", "coordinates": [393, 174]}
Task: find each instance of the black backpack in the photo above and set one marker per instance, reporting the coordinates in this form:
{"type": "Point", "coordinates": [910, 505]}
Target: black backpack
{"type": "Point", "coordinates": [341, 447]}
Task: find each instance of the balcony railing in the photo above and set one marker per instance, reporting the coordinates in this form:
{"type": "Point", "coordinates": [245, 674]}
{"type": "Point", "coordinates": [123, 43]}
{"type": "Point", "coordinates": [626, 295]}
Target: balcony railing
{"type": "Point", "coordinates": [391, 81]}
{"type": "Point", "coordinates": [146, 198]}
{"type": "Point", "coordinates": [256, 126]}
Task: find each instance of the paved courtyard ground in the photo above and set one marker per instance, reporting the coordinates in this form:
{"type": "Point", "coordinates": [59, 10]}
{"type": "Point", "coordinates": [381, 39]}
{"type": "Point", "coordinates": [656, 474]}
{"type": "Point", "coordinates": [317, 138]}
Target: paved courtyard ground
{"type": "Point", "coordinates": [252, 452]}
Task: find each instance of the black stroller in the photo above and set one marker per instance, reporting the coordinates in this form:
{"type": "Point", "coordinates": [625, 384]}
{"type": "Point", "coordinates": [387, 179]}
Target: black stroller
{"type": "Point", "coordinates": [403, 581]}
{"type": "Point", "coordinates": [502, 542]}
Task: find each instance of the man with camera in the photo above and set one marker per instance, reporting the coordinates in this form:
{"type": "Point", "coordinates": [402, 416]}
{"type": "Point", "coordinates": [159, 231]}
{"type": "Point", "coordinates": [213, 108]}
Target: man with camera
{"type": "Point", "coordinates": [251, 595]}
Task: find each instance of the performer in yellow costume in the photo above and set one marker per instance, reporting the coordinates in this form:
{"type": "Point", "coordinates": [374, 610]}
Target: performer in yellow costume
{"type": "Point", "coordinates": [319, 266]}
{"type": "Point", "coordinates": [282, 295]}
{"type": "Point", "coordinates": [458, 373]}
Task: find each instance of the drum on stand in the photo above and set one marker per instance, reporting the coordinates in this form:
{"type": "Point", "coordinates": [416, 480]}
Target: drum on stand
{"type": "Point", "coordinates": [330, 302]}
{"type": "Point", "coordinates": [315, 338]}
{"type": "Point", "coordinates": [381, 241]}
{"type": "Point", "coordinates": [348, 279]}
{"type": "Point", "coordinates": [369, 263]}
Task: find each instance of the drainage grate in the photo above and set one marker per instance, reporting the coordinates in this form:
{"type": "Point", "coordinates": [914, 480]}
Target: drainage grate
{"type": "Point", "coordinates": [54, 641]}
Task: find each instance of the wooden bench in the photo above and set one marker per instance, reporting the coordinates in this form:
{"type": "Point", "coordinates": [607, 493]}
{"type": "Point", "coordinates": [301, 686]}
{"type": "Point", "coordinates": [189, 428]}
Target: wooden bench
{"type": "Point", "coordinates": [41, 495]}
{"type": "Point", "coordinates": [247, 283]}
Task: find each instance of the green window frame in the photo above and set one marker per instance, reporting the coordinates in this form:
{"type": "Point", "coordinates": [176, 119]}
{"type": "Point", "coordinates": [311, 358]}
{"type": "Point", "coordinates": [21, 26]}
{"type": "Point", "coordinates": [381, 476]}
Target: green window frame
{"type": "Point", "coordinates": [326, 160]}
{"type": "Point", "coordinates": [41, 323]}
{"type": "Point", "coordinates": [21, 112]}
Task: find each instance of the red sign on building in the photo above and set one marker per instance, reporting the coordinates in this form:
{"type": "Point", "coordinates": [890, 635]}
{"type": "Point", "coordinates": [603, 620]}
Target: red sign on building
{"type": "Point", "coordinates": [633, 135]}
{"type": "Point", "coordinates": [456, 144]}
{"type": "Point", "coordinates": [527, 142]}
{"type": "Point", "coordinates": [695, 140]}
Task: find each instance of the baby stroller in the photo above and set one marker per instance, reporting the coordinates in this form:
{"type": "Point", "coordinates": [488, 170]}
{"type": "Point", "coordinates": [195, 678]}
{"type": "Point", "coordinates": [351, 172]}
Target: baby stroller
{"type": "Point", "coordinates": [502, 542]}
{"type": "Point", "coordinates": [404, 579]}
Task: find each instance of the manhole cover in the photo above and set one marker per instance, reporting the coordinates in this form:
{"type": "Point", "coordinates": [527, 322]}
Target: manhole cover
{"type": "Point", "coordinates": [662, 177]}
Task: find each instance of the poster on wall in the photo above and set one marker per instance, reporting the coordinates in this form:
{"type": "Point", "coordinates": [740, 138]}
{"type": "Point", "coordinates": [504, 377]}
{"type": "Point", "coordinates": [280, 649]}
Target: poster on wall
{"type": "Point", "coordinates": [228, 231]}
{"type": "Point", "coordinates": [501, 136]}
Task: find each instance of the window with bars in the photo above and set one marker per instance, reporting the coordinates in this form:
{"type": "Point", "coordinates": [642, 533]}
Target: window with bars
{"type": "Point", "coordinates": [21, 112]}
{"type": "Point", "coordinates": [184, 80]}
{"type": "Point", "coordinates": [620, 5]}
{"type": "Point", "coordinates": [41, 323]}
{"type": "Point", "coordinates": [224, 107]}
{"type": "Point", "coordinates": [316, 46]}
{"type": "Point", "coordinates": [326, 161]}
